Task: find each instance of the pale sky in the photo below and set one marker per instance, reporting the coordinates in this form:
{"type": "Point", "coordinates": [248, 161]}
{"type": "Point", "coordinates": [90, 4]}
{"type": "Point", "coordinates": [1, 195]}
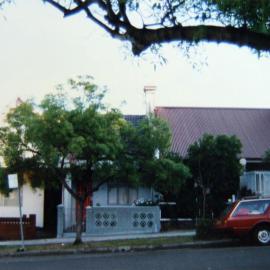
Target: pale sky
{"type": "Point", "coordinates": [39, 49]}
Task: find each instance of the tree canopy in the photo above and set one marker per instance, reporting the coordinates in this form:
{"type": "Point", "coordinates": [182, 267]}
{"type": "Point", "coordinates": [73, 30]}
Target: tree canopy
{"type": "Point", "coordinates": [75, 135]}
{"type": "Point", "coordinates": [149, 23]}
{"type": "Point", "coordinates": [215, 168]}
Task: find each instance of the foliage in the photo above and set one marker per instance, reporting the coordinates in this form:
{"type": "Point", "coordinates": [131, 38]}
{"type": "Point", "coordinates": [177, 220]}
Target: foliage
{"type": "Point", "coordinates": [266, 157]}
{"type": "Point", "coordinates": [63, 135]}
{"type": "Point", "coordinates": [146, 24]}
{"type": "Point", "coordinates": [251, 14]}
{"type": "Point", "coordinates": [143, 202]}
{"type": "Point", "coordinates": [204, 229]}
{"type": "Point", "coordinates": [3, 181]}
{"type": "Point", "coordinates": [76, 135]}
{"type": "Point", "coordinates": [215, 167]}
{"type": "Point", "coordinates": [138, 162]}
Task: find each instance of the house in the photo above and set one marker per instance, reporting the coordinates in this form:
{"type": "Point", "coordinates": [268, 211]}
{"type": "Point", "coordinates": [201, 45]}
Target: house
{"type": "Point", "coordinates": [189, 124]}
{"type": "Point", "coordinates": [40, 202]}
{"type": "Point", "coordinates": [251, 126]}
{"type": "Point", "coordinates": [32, 204]}
{"type": "Point", "coordinates": [108, 194]}
{"type": "Point", "coordinates": [32, 199]}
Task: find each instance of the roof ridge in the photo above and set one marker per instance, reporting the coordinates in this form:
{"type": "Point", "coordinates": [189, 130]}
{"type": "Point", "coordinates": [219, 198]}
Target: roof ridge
{"type": "Point", "coordinates": [207, 108]}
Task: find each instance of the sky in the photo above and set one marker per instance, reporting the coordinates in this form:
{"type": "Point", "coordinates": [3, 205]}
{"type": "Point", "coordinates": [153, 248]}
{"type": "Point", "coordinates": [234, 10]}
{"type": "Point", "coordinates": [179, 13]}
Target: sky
{"type": "Point", "coordinates": [40, 49]}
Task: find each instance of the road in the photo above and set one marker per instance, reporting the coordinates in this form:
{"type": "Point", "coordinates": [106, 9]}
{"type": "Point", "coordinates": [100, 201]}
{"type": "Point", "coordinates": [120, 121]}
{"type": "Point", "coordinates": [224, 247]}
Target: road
{"type": "Point", "coordinates": [237, 258]}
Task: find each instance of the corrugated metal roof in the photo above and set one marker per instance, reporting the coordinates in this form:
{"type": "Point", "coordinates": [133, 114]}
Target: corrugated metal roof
{"type": "Point", "coordinates": [188, 124]}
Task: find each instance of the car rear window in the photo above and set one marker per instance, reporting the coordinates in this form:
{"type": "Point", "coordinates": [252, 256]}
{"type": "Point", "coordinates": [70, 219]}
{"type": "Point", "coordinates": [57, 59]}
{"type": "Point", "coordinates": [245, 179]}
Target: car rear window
{"type": "Point", "coordinates": [251, 208]}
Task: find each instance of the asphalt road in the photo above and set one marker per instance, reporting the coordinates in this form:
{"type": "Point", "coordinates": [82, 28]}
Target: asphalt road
{"type": "Point", "coordinates": [237, 258]}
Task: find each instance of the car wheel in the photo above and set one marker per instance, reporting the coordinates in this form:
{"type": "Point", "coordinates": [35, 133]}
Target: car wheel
{"type": "Point", "coordinates": [262, 235]}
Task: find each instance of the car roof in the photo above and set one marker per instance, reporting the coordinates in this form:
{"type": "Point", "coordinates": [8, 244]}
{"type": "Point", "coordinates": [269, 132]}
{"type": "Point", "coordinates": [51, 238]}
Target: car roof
{"type": "Point", "coordinates": [254, 200]}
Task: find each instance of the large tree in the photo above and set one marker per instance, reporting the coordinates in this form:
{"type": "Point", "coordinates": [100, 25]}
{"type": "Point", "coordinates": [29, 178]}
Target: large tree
{"type": "Point", "coordinates": [63, 136]}
{"type": "Point", "coordinates": [80, 137]}
{"type": "Point", "coordinates": [215, 168]}
{"type": "Point", "coordinates": [148, 23]}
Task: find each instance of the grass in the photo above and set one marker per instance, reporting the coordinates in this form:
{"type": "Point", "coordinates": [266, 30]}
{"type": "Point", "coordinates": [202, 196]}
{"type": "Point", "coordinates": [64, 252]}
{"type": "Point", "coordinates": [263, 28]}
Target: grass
{"type": "Point", "coordinates": [104, 244]}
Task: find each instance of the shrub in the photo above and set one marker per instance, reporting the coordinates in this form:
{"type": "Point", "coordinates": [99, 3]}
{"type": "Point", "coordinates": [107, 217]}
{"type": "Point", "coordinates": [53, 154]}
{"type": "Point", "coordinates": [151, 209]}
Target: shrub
{"type": "Point", "coordinates": [204, 229]}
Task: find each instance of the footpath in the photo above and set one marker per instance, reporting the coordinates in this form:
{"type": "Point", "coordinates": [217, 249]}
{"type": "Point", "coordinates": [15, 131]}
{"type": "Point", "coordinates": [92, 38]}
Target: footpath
{"type": "Point", "coordinates": [105, 244]}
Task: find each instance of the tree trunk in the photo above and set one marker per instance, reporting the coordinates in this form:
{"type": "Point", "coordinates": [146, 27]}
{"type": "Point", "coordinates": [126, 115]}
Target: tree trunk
{"type": "Point", "coordinates": [79, 223]}
{"type": "Point", "coordinates": [204, 202]}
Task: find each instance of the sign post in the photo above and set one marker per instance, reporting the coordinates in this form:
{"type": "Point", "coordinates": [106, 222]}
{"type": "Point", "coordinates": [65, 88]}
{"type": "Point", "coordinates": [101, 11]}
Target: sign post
{"type": "Point", "coordinates": [13, 183]}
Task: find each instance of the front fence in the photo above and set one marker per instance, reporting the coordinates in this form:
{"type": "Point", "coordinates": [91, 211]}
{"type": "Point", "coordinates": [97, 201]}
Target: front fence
{"type": "Point", "coordinates": [122, 219]}
{"type": "Point", "coordinates": [10, 228]}
{"type": "Point", "coordinates": [116, 220]}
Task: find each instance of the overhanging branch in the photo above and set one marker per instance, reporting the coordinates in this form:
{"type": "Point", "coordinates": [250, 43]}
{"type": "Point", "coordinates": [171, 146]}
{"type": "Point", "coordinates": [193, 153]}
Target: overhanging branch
{"type": "Point", "coordinates": [143, 38]}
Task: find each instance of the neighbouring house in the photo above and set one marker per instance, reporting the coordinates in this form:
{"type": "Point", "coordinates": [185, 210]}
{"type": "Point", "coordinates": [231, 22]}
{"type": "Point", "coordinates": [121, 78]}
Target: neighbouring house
{"type": "Point", "coordinates": [251, 126]}
{"type": "Point", "coordinates": [41, 202]}
{"type": "Point", "coordinates": [32, 199]}
{"type": "Point", "coordinates": [32, 204]}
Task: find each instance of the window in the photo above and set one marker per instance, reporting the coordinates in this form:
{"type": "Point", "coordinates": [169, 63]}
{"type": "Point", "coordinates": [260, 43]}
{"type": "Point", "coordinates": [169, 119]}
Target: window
{"type": "Point", "coordinates": [251, 208]}
{"type": "Point", "coordinates": [121, 195]}
{"type": "Point", "coordinates": [11, 200]}
{"type": "Point", "coordinates": [259, 183]}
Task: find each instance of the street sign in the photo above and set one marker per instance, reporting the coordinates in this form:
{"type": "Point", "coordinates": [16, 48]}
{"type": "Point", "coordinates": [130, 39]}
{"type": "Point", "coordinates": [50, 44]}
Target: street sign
{"type": "Point", "coordinates": [13, 181]}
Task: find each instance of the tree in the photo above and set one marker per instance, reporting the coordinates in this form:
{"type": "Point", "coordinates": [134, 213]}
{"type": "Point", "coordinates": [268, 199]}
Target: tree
{"type": "Point", "coordinates": [215, 168]}
{"type": "Point", "coordinates": [266, 156]}
{"type": "Point", "coordinates": [62, 136]}
{"type": "Point", "coordinates": [147, 152]}
{"type": "Point", "coordinates": [80, 137]}
{"type": "Point", "coordinates": [149, 23]}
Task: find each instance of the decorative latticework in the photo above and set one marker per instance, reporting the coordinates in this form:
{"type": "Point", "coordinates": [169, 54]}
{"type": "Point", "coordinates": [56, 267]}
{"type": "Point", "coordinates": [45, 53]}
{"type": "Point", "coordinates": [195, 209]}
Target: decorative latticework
{"type": "Point", "coordinates": [105, 219]}
{"type": "Point", "coordinates": [142, 220]}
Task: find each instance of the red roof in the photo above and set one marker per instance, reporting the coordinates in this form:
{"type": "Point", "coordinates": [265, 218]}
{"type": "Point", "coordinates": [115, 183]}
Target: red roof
{"type": "Point", "coordinates": [251, 126]}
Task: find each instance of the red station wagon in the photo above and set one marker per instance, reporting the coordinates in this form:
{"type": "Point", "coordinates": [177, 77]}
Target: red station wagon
{"type": "Point", "coordinates": [247, 217]}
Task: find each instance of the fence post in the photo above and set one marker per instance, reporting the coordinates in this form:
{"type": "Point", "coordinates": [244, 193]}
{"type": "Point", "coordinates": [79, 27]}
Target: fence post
{"type": "Point", "coordinates": [60, 220]}
{"type": "Point", "coordinates": [88, 219]}
{"type": "Point", "coordinates": [158, 219]}
{"type": "Point", "coordinates": [32, 226]}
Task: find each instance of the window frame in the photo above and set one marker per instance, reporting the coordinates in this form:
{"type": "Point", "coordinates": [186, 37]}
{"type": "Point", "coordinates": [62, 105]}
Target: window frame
{"type": "Point", "coordinates": [243, 203]}
{"type": "Point", "coordinates": [118, 186]}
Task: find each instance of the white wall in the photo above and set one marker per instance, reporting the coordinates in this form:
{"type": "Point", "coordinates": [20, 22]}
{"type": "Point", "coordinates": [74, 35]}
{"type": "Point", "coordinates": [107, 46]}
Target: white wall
{"type": "Point", "coordinates": [100, 197]}
{"type": "Point", "coordinates": [248, 180]}
{"type": "Point", "coordinates": [32, 203]}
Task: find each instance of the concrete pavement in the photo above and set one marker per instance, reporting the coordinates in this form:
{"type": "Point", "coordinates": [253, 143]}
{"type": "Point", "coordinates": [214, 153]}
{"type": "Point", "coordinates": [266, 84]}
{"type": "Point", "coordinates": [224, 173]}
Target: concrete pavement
{"type": "Point", "coordinates": [70, 238]}
{"type": "Point", "coordinates": [63, 251]}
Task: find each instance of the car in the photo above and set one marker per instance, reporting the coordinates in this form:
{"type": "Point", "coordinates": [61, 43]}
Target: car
{"type": "Point", "coordinates": [248, 216]}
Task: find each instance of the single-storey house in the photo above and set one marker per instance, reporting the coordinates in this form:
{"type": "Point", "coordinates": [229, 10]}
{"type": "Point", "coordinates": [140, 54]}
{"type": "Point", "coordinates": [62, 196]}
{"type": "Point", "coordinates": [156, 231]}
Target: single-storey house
{"type": "Point", "coordinates": [251, 126]}
{"type": "Point", "coordinates": [108, 195]}
{"type": "Point", "coordinates": [189, 124]}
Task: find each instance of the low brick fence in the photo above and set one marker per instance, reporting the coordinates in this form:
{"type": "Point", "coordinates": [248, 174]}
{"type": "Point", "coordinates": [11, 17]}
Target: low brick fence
{"type": "Point", "coordinates": [10, 228]}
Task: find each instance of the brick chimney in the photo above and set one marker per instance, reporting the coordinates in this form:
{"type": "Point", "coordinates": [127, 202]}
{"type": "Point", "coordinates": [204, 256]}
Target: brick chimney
{"type": "Point", "coordinates": [150, 91]}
